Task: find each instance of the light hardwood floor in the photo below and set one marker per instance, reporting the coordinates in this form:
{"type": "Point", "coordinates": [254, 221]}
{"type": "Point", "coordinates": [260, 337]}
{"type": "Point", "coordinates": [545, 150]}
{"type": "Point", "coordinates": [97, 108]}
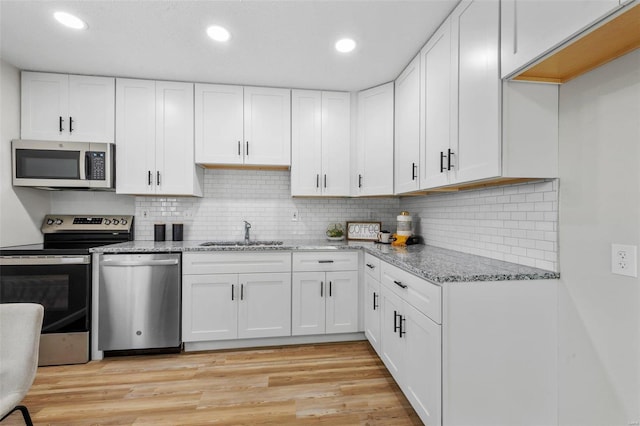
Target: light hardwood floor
{"type": "Point", "coordinates": [332, 384]}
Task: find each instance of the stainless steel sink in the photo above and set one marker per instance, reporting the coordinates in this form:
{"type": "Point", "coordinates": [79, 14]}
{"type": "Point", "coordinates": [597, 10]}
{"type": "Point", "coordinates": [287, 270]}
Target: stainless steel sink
{"type": "Point", "coordinates": [240, 243]}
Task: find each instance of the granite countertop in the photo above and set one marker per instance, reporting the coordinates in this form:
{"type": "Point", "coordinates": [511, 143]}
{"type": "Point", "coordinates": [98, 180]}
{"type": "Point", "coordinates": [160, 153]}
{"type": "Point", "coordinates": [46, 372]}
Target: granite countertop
{"type": "Point", "coordinates": [435, 264]}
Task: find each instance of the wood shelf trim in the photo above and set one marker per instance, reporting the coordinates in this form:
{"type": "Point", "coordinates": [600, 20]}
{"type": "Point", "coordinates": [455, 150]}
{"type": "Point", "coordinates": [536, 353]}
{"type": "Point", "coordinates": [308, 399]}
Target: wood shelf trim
{"type": "Point", "coordinates": [615, 38]}
{"type": "Point", "coordinates": [243, 167]}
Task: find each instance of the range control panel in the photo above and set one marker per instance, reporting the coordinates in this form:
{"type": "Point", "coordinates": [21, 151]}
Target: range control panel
{"type": "Point", "coordinates": [65, 223]}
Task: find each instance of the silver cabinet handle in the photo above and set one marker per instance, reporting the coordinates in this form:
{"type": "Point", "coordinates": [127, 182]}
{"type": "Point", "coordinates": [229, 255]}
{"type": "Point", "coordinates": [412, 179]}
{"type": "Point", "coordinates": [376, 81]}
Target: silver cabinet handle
{"type": "Point", "coordinates": [165, 262]}
{"type": "Point", "coordinates": [44, 260]}
{"type": "Point", "coordinates": [325, 261]}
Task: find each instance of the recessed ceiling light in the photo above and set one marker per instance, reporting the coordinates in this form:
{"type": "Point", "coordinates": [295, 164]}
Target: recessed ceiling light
{"type": "Point", "coordinates": [69, 20]}
{"type": "Point", "coordinates": [345, 45]}
{"type": "Point", "coordinates": [218, 33]}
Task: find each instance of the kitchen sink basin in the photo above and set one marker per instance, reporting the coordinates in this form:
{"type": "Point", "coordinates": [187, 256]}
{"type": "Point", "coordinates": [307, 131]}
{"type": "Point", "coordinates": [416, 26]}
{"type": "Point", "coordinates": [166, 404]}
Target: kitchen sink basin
{"type": "Point", "coordinates": [240, 243]}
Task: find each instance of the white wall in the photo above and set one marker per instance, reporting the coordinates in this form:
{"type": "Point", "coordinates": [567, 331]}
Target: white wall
{"type": "Point", "coordinates": [599, 354]}
{"type": "Point", "coordinates": [21, 209]}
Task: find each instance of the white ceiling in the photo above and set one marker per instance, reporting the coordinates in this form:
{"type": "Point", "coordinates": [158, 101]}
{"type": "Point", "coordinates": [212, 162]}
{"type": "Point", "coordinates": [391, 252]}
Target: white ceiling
{"type": "Point", "coordinates": [274, 43]}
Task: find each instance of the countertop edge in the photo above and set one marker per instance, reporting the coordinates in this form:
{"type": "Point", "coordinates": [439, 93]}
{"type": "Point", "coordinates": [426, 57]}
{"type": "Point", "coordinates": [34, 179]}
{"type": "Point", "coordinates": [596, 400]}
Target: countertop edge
{"type": "Point", "coordinates": [373, 249]}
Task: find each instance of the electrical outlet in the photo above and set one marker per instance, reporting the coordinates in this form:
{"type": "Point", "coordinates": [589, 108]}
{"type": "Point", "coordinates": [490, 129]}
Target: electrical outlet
{"type": "Point", "coordinates": [624, 260]}
{"type": "Point", "coordinates": [295, 216]}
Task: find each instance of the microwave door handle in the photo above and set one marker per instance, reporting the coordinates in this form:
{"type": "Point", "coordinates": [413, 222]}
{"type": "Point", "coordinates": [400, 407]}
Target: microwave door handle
{"type": "Point", "coordinates": [86, 166]}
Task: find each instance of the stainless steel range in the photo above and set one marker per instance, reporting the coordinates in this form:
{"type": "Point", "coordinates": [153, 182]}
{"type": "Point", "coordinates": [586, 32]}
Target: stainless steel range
{"type": "Point", "coordinates": [57, 274]}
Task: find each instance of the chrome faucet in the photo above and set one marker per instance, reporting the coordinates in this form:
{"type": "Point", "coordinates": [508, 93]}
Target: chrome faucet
{"type": "Point", "coordinates": [247, 226]}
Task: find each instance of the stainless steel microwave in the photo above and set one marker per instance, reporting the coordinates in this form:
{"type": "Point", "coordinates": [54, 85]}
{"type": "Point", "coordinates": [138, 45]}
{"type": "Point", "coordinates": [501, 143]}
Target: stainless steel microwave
{"type": "Point", "coordinates": [59, 165]}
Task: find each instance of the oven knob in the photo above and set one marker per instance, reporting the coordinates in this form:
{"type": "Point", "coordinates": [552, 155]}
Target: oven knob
{"type": "Point", "coordinates": [107, 221]}
{"type": "Point", "coordinates": [58, 221]}
{"type": "Point", "coordinates": [50, 221]}
{"type": "Point", "coordinates": [116, 221]}
{"type": "Point", "coordinates": [123, 221]}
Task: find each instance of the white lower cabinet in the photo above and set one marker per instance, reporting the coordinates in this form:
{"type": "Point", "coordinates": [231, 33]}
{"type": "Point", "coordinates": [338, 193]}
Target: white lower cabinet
{"type": "Point", "coordinates": [480, 353]}
{"type": "Point", "coordinates": [324, 300]}
{"type": "Point", "coordinates": [219, 305]}
{"type": "Point", "coordinates": [372, 306]}
{"type": "Point", "coordinates": [411, 341]}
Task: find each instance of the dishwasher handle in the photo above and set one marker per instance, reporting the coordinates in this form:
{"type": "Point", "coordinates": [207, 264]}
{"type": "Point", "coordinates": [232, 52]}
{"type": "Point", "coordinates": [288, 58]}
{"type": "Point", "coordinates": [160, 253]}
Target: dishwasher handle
{"type": "Point", "coordinates": [164, 262]}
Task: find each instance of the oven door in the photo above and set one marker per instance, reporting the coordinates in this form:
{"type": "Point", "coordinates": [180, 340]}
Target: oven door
{"type": "Point", "coordinates": [59, 283]}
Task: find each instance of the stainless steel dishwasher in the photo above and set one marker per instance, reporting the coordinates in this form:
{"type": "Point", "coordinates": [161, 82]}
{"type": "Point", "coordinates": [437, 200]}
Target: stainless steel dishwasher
{"type": "Point", "coordinates": [139, 305]}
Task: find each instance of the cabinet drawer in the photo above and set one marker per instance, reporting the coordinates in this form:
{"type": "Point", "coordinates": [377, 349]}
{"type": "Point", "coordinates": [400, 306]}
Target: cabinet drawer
{"type": "Point", "coordinates": [372, 266]}
{"type": "Point", "coordinates": [421, 294]}
{"type": "Point", "coordinates": [325, 261]}
{"type": "Point", "coordinates": [233, 262]}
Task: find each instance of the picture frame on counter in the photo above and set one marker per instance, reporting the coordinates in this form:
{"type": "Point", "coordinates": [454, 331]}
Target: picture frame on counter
{"type": "Point", "coordinates": [363, 231]}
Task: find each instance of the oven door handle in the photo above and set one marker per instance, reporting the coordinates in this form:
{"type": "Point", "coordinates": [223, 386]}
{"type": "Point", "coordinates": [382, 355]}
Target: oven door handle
{"type": "Point", "coordinates": [165, 262]}
{"type": "Point", "coordinates": [44, 260]}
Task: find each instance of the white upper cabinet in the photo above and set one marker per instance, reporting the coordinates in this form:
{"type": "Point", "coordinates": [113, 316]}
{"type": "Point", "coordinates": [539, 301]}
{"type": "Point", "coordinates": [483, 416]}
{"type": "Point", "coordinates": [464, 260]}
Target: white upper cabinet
{"type": "Point", "coordinates": [320, 143]}
{"type": "Point", "coordinates": [242, 125]}
{"type": "Point", "coordinates": [154, 134]}
{"type": "Point", "coordinates": [375, 141]}
{"type": "Point", "coordinates": [532, 28]}
{"type": "Point", "coordinates": [473, 127]}
{"type": "Point", "coordinates": [475, 41]}
{"type": "Point", "coordinates": [64, 107]}
{"type": "Point", "coordinates": [219, 132]}
{"type": "Point", "coordinates": [407, 128]}
{"type": "Point", "coordinates": [267, 126]}
{"type": "Point", "coordinates": [136, 136]}
{"type": "Point", "coordinates": [437, 129]}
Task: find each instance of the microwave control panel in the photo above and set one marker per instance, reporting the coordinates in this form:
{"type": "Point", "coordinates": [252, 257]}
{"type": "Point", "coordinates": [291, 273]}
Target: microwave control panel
{"type": "Point", "coordinates": [96, 167]}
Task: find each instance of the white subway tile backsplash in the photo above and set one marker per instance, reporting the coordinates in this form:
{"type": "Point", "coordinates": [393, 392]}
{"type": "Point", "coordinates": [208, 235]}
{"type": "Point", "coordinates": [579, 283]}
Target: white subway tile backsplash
{"type": "Point", "coordinates": [262, 198]}
{"type": "Point", "coordinates": [516, 223]}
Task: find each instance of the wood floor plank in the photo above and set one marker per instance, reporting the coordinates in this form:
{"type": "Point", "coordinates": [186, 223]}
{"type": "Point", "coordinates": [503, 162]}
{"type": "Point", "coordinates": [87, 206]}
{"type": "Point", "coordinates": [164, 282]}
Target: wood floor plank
{"type": "Point", "coordinates": [328, 384]}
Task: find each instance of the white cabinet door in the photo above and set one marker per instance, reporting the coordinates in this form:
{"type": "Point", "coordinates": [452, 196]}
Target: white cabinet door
{"type": "Point", "coordinates": [91, 109]}
{"type": "Point", "coordinates": [393, 347]}
{"type": "Point", "coordinates": [135, 136]}
{"type": "Point", "coordinates": [175, 166]}
{"type": "Point", "coordinates": [67, 107]}
{"type": "Point", "coordinates": [438, 130]}
{"type": "Point", "coordinates": [372, 312]}
{"type": "Point", "coordinates": [264, 305]}
{"type": "Point", "coordinates": [219, 124]}
{"type": "Point", "coordinates": [375, 141]}
{"type": "Point", "coordinates": [154, 135]}
{"type": "Point", "coordinates": [320, 143]}
{"type": "Point", "coordinates": [407, 128]}
{"type": "Point", "coordinates": [423, 362]}
{"type": "Point", "coordinates": [341, 302]}
{"type": "Point", "coordinates": [44, 107]}
{"type": "Point", "coordinates": [531, 28]}
{"type": "Point", "coordinates": [308, 303]}
{"type": "Point", "coordinates": [267, 126]}
{"type": "Point", "coordinates": [336, 143]}
{"type": "Point", "coordinates": [209, 307]}
{"type": "Point", "coordinates": [476, 26]}
{"type": "Point", "coordinates": [306, 142]}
